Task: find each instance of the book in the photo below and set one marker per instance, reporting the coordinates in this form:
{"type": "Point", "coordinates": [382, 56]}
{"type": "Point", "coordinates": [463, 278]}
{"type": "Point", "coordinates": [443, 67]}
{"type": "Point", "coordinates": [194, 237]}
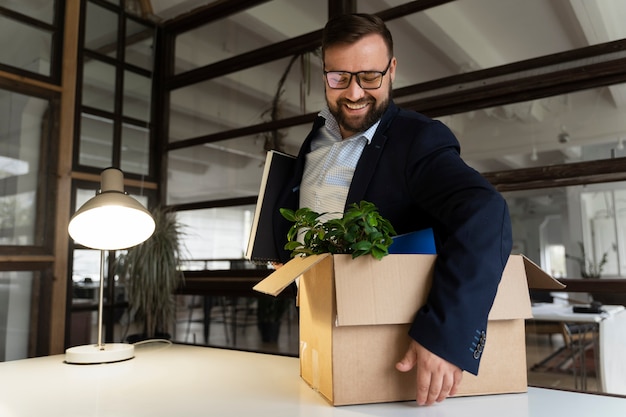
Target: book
{"type": "Point", "coordinates": [420, 241]}
{"type": "Point", "coordinates": [276, 172]}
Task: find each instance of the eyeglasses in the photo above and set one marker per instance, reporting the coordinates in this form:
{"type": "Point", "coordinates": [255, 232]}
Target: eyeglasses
{"type": "Point", "coordinates": [367, 80]}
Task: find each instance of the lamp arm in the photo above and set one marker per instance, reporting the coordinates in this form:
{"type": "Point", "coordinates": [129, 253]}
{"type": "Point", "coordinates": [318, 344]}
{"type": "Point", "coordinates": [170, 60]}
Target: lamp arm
{"type": "Point", "coordinates": [101, 301]}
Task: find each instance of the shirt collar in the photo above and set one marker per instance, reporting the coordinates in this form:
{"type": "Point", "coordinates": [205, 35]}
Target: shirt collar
{"type": "Point", "coordinates": [333, 127]}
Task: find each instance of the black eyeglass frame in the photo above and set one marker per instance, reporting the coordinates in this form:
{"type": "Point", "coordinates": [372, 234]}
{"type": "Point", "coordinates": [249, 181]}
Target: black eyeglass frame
{"type": "Point", "coordinates": [358, 77]}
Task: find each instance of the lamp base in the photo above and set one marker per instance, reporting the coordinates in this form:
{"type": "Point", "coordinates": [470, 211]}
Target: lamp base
{"type": "Point", "coordinates": [91, 354]}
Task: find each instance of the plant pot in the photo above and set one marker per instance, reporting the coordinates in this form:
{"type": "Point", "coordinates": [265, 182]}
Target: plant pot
{"type": "Point", "coordinates": [140, 337]}
{"type": "Point", "coordinates": [269, 331]}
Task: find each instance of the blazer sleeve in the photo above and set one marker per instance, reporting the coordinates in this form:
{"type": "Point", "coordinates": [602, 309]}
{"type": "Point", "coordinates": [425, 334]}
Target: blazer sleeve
{"type": "Point", "coordinates": [471, 223]}
{"type": "Point", "coordinates": [414, 173]}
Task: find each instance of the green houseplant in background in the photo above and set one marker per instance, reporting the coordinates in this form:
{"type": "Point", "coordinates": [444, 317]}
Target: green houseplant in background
{"type": "Point", "coordinates": [589, 268]}
{"type": "Point", "coordinates": [151, 274]}
{"type": "Point", "coordinates": [270, 311]}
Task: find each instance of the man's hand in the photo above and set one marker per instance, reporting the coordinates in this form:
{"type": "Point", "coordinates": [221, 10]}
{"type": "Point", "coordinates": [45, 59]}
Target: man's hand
{"type": "Point", "coordinates": [437, 378]}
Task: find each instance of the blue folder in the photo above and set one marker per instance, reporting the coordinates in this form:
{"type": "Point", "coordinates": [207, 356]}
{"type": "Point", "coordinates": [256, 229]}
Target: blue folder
{"type": "Point", "coordinates": [422, 242]}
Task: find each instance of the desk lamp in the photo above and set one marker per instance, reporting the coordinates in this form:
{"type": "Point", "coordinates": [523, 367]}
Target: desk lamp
{"type": "Point", "coordinates": [111, 220]}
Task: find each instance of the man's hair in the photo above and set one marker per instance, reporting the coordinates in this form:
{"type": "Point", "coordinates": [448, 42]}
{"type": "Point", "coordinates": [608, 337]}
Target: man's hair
{"type": "Point", "coordinates": [350, 28]}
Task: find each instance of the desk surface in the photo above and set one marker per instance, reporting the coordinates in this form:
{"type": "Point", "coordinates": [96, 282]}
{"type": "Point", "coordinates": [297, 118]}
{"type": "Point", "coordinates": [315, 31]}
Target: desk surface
{"type": "Point", "coordinates": [564, 312]}
{"type": "Point", "coordinates": [178, 380]}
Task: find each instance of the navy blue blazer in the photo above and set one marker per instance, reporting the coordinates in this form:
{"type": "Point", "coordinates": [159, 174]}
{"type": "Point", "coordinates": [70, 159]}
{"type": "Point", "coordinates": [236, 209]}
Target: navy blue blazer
{"type": "Point", "coordinates": [412, 171]}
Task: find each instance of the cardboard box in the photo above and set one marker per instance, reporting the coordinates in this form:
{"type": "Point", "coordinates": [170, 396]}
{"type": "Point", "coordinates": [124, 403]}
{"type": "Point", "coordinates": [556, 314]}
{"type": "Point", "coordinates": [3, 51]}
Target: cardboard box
{"type": "Point", "coordinates": [355, 315]}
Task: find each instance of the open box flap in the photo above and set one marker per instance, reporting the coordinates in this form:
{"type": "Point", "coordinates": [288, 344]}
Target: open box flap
{"type": "Point", "coordinates": [280, 279]}
{"type": "Point", "coordinates": [513, 299]}
{"type": "Point", "coordinates": [538, 279]}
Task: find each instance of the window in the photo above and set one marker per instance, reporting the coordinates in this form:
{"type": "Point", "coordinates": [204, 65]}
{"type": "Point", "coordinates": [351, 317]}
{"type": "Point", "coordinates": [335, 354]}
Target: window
{"type": "Point", "coordinates": [116, 93]}
{"type": "Point", "coordinates": [21, 305]}
{"type": "Point", "coordinates": [115, 129]}
{"type": "Point", "coordinates": [34, 40]}
{"type": "Point", "coordinates": [25, 142]}
{"type": "Point", "coordinates": [230, 226]}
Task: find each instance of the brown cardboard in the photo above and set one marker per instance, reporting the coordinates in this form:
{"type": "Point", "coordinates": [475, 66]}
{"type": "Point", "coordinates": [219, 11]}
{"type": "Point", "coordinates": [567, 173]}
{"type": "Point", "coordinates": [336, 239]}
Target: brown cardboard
{"type": "Point", "coordinates": [355, 315]}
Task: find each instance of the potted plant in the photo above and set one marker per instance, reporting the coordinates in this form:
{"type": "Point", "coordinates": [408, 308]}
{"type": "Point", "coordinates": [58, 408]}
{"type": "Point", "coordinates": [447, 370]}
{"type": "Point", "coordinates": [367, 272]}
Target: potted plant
{"type": "Point", "coordinates": [270, 311]}
{"type": "Point", "coordinates": [589, 268]}
{"type": "Point", "coordinates": [361, 231]}
{"type": "Point", "coordinates": [151, 274]}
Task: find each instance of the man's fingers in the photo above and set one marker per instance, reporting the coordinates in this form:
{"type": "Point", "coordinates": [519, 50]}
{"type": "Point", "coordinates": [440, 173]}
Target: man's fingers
{"type": "Point", "coordinates": [437, 379]}
{"type": "Point", "coordinates": [404, 365]}
{"type": "Point", "coordinates": [446, 387]}
{"type": "Point", "coordinates": [458, 377]}
{"type": "Point", "coordinates": [450, 385]}
{"type": "Point", "coordinates": [423, 386]}
{"type": "Point", "coordinates": [407, 362]}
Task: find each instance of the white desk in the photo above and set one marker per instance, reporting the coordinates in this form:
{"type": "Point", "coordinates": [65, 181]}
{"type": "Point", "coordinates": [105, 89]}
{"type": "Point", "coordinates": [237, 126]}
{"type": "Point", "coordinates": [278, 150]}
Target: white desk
{"type": "Point", "coordinates": [609, 338]}
{"type": "Point", "coordinates": [188, 381]}
{"type": "Point", "coordinates": [564, 313]}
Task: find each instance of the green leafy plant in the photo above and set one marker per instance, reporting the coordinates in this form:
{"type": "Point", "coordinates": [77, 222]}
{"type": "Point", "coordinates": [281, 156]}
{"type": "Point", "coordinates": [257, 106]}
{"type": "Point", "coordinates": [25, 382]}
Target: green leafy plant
{"type": "Point", "coordinates": [588, 267]}
{"type": "Point", "coordinates": [151, 273]}
{"type": "Point", "coordinates": [270, 311]}
{"type": "Point", "coordinates": [361, 231]}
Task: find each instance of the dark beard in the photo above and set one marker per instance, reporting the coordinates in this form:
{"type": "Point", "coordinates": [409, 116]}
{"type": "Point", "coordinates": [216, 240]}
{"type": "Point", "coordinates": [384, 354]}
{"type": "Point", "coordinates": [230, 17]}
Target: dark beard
{"type": "Point", "coordinates": [373, 115]}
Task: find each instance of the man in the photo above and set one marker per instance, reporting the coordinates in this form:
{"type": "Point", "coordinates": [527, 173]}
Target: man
{"type": "Point", "coordinates": [362, 147]}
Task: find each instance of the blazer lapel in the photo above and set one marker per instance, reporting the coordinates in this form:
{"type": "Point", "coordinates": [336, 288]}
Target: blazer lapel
{"type": "Point", "coordinates": [369, 158]}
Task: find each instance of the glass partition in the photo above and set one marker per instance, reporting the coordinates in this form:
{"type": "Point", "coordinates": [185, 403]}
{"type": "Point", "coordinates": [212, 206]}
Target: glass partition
{"type": "Point", "coordinates": [603, 209]}
{"type": "Point", "coordinates": [16, 313]}
{"type": "Point", "coordinates": [29, 49]}
{"type": "Point", "coordinates": [101, 30]}
{"type": "Point", "coordinates": [220, 170]}
{"type": "Point", "coordinates": [135, 149]}
{"type": "Point", "coordinates": [96, 141]}
{"type": "Point", "coordinates": [246, 98]}
{"type": "Point", "coordinates": [23, 121]}
{"type": "Point", "coordinates": [139, 45]}
{"type": "Point", "coordinates": [246, 31]}
{"type": "Point", "coordinates": [32, 35]}
{"type": "Point", "coordinates": [137, 94]}
{"type": "Point", "coordinates": [230, 227]}
{"type": "Point", "coordinates": [585, 125]}
{"type": "Point", "coordinates": [237, 322]}
{"type": "Point", "coordinates": [573, 232]}
{"type": "Point", "coordinates": [98, 85]}
{"type": "Point", "coordinates": [43, 11]}
{"type": "Point", "coordinates": [116, 92]}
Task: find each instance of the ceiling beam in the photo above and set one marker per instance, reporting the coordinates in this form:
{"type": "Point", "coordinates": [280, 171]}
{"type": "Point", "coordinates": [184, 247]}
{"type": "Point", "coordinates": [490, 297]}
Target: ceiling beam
{"type": "Point", "coordinates": [295, 46]}
{"type": "Point", "coordinates": [597, 22]}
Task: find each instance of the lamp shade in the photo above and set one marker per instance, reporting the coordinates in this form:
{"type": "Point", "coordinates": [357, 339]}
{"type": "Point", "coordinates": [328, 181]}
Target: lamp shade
{"type": "Point", "coordinates": [112, 219]}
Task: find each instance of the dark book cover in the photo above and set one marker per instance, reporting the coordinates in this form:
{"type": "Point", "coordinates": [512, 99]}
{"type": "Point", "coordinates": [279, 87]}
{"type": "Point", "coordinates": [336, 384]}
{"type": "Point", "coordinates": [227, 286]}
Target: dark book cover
{"type": "Point", "coordinates": [277, 171]}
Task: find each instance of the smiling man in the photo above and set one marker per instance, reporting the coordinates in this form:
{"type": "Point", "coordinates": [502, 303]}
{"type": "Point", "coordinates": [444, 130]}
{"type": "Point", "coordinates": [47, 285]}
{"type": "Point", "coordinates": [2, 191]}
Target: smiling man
{"type": "Point", "coordinates": [363, 147]}
{"type": "Point", "coordinates": [357, 105]}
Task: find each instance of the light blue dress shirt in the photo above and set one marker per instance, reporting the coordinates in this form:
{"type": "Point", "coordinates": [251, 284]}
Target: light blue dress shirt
{"type": "Point", "coordinates": [329, 167]}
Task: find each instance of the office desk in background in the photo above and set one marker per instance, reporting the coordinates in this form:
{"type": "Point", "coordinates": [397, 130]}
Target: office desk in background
{"type": "Point", "coordinates": [188, 381]}
{"type": "Point", "coordinates": [609, 337]}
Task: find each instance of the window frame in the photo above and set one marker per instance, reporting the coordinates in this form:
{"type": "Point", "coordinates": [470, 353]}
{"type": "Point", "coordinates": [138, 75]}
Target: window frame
{"type": "Point", "coordinates": [56, 52]}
